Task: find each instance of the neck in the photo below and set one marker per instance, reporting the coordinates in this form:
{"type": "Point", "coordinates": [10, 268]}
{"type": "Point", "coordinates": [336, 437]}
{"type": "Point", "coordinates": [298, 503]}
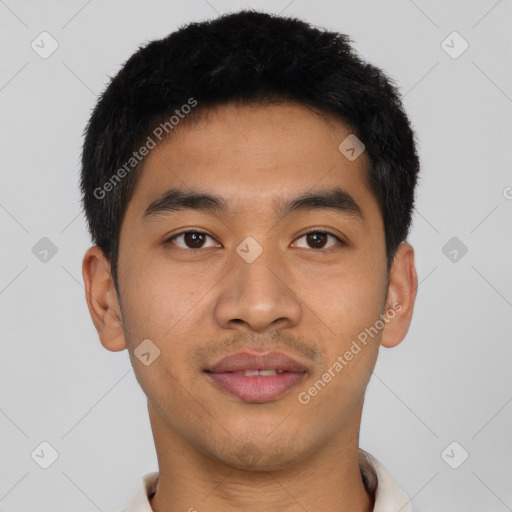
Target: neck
{"type": "Point", "coordinates": [191, 480]}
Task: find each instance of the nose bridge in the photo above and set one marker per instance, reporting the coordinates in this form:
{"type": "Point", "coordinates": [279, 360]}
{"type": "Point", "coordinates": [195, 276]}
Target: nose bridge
{"type": "Point", "coordinates": [260, 269]}
{"type": "Point", "coordinates": [255, 294]}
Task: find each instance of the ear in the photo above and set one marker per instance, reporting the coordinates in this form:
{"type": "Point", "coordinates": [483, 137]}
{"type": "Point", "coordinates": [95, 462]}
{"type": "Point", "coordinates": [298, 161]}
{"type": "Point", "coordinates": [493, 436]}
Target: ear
{"type": "Point", "coordinates": [102, 299]}
{"type": "Point", "coordinates": [402, 287]}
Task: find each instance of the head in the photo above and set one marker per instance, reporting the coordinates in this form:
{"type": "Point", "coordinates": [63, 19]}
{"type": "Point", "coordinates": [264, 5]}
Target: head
{"type": "Point", "coordinates": [292, 166]}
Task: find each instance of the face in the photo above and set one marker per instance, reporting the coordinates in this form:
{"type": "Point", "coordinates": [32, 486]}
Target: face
{"type": "Point", "coordinates": [259, 266]}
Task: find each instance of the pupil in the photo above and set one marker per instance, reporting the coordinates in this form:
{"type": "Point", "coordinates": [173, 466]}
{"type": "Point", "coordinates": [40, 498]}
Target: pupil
{"type": "Point", "coordinates": [313, 239]}
{"type": "Point", "coordinates": [194, 239]}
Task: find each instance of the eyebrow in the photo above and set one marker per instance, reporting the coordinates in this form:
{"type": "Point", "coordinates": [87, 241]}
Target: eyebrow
{"type": "Point", "coordinates": [335, 199]}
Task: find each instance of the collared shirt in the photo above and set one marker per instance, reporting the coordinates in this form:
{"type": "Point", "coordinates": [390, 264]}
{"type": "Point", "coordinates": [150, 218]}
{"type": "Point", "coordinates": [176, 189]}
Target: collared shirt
{"type": "Point", "coordinates": [388, 496]}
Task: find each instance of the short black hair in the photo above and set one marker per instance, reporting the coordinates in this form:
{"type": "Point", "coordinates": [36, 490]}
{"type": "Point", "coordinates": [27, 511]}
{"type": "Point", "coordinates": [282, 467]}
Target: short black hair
{"type": "Point", "coordinates": [245, 57]}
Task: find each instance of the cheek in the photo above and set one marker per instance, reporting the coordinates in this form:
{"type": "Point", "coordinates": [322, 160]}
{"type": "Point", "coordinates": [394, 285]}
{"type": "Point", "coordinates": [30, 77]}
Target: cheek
{"type": "Point", "coordinates": [171, 311]}
{"type": "Point", "coordinates": [348, 300]}
{"type": "Point", "coordinates": [157, 299]}
{"type": "Point", "coordinates": [158, 307]}
{"type": "Point", "coordinates": [353, 300]}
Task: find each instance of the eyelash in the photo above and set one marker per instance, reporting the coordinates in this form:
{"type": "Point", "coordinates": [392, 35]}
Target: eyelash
{"type": "Point", "coordinates": [188, 251]}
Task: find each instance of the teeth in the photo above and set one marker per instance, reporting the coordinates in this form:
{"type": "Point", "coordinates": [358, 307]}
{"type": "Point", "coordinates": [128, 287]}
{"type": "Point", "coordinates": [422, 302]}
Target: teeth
{"type": "Point", "coordinates": [268, 372]}
{"type": "Point", "coordinates": [255, 373]}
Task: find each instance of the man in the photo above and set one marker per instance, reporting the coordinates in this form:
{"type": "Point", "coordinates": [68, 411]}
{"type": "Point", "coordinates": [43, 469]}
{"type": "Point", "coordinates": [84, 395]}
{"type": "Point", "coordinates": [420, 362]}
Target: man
{"type": "Point", "coordinates": [249, 185]}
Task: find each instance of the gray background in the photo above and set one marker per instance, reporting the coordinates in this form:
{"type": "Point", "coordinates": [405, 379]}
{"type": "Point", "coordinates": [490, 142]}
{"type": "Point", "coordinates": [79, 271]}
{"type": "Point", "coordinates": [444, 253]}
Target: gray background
{"type": "Point", "coordinates": [450, 380]}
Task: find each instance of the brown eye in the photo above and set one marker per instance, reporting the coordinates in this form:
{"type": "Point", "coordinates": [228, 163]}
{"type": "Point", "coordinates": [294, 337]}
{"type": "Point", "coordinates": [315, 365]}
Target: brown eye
{"type": "Point", "coordinates": [191, 240]}
{"type": "Point", "coordinates": [318, 240]}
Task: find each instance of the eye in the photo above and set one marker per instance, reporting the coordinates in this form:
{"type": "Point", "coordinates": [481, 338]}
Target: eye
{"type": "Point", "coordinates": [191, 240]}
{"type": "Point", "coordinates": [319, 239]}
{"type": "Point", "coordinates": [196, 240]}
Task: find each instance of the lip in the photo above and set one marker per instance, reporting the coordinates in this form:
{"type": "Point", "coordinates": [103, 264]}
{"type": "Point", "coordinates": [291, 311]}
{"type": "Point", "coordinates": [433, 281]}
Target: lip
{"type": "Point", "coordinates": [246, 360]}
{"type": "Point", "coordinates": [227, 375]}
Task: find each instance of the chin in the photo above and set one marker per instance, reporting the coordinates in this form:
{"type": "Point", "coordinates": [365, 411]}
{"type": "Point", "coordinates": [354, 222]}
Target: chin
{"type": "Point", "coordinates": [253, 456]}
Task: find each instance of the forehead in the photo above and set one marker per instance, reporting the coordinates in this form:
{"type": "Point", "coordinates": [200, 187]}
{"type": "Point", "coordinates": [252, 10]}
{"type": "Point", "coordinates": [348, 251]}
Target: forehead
{"type": "Point", "coordinates": [253, 155]}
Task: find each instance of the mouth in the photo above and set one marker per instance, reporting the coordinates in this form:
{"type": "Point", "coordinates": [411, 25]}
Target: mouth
{"type": "Point", "coordinates": [256, 378]}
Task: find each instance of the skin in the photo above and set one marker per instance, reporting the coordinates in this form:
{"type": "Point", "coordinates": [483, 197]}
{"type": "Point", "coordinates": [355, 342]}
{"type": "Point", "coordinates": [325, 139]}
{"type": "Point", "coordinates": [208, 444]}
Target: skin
{"type": "Point", "coordinates": [216, 452]}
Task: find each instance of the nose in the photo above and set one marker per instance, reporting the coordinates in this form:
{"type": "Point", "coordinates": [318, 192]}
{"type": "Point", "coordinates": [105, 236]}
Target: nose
{"type": "Point", "coordinates": [257, 297]}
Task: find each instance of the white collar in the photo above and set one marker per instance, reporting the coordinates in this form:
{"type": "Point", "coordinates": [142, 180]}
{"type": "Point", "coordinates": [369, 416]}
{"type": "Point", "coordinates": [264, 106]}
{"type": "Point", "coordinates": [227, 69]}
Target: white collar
{"type": "Point", "coordinates": [389, 497]}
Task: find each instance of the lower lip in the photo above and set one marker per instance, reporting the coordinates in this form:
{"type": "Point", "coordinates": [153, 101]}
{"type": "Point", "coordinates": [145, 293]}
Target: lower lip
{"type": "Point", "coordinates": [263, 388]}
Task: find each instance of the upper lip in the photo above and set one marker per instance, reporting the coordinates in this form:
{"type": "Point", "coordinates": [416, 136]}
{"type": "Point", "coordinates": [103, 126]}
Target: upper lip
{"type": "Point", "coordinates": [242, 361]}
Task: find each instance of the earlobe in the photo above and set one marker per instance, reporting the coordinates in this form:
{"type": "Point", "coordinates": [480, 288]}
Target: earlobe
{"type": "Point", "coordinates": [102, 299]}
{"type": "Point", "coordinates": [403, 284]}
